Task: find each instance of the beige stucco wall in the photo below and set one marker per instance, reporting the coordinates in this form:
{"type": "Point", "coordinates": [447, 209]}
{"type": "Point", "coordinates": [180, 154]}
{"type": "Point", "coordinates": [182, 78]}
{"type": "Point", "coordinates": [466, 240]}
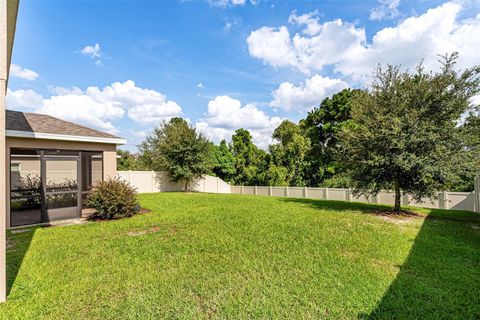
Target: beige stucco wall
{"type": "Point", "coordinates": [8, 17]}
{"type": "Point", "coordinates": [3, 207]}
{"type": "Point", "coordinates": [109, 157]}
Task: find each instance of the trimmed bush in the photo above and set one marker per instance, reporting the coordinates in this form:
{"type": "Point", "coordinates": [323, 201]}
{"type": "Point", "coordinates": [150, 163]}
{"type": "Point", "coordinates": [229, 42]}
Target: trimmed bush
{"type": "Point", "coordinates": [113, 199]}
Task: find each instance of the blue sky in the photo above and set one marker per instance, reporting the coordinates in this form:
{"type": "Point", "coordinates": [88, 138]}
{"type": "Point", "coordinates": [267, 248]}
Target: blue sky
{"type": "Point", "coordinates": [122, 67]}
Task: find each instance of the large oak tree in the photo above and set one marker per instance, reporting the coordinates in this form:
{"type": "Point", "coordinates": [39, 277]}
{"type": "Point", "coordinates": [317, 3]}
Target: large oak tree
{"type": "Point", "coordinates": [405, 134]}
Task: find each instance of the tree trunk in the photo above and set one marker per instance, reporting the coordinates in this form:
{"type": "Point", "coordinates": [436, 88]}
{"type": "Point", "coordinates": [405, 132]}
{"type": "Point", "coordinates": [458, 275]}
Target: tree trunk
{"type": "Point", "coordinates": [398, 196]}
{"type": "Point", "coordinates": [186, 185]}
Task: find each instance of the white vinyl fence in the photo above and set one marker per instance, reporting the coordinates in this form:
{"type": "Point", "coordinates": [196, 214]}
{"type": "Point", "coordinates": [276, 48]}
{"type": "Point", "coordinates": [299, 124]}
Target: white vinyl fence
{"type": "Point", "coordinates": [446, 200]}
{"type": "Point", "coordinates": [151, 181]}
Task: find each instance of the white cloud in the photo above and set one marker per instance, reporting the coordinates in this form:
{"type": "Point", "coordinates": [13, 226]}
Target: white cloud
{"type": "Point", "coordinates": [200, 85]}
{"type": "Point", "coordinates": [309, 20]}
{"type": "Point", "coordinates": [306, 95]}
{"type": "Point", "coordinates": [387, 9]}
{"type": "Point", "coordinates": [63, 90]}
{"type": "Point", "coordinates": [343, 45]}
{"type": "Point", "coordinates": [83, 109]}
{"type": "Point", "coordinates": [23, 99]}
{"type": "Point", "coordinates": [273, 46]}
{"type": "Point", "coordinates": [229, 113]}
{"type": "Point", "coordinates": [476, 100]}
{"type": "Point", "coordinates": [144, 106]}
{"type": "Point", "coordinates": [318, 45]}
{"type": "Point", "coordinates": [225, 115]}
{"type": "Point", "coordinates": [99, 107]}
{"type": "Point", "coordinates": [438, 31]}
{"type": "Point", "coordinates": [93, 51]}
{"type": "Point", "coordinates": [23, 73]}
{"type": "Point", "coordinates": [154, 113]}
{"type": "Point", "coordinates": [228, 26]}
{"type": "Point", "coordinates": [226, 3]}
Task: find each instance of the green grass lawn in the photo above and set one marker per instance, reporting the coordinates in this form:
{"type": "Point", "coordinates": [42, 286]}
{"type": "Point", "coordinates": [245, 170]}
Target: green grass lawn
{"type": "Point", "coordinates": [199, 256]}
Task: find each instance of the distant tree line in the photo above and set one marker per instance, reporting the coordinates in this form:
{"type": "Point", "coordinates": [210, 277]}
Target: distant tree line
{"type": "Point", "coordinates": [413, 131]}
{"type": "Point", "coordinates": [302, 154]}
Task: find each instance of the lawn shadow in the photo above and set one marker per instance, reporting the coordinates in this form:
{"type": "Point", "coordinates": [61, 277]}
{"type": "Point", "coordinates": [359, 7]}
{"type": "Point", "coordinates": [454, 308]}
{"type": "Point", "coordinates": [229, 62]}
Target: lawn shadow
{"type": "Point", "coordinates": [338, 205]}
{"type": "Point", "coordinates": [18, 242]}
{"type": "Point", "coordinates": [440, 278]}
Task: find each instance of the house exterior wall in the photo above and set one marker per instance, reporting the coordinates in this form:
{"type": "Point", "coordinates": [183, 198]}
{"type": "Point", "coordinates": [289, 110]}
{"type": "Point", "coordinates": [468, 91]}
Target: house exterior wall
{"type": "Point", "coordinates": [109, 157]}
{"type": "Point", "coordinates": [3, 207]}
{"type": "Point", "coordinates": [8, 20]}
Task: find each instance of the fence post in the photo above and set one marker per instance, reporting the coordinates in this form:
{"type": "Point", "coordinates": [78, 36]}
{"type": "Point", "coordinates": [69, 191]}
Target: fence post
{"type": "Point", "coordinates": [476, 194]}
{"type": "Point", "coordinates": [286, 191]}
{"type": "Point", "coordinates": [270, 191]}
{"type": "Point", "coordinates": [153, 181]}
{"type": "Point", "coordinates": [241, 190]}
{"type": "Point", "coordinates": [305, 192]}
{"type": "Point", "coordinates": [129, 176]}
{"type": "Point", "coordinates": [348, 195]}
{"type": "Point", "coordinates": [325, 193]}
{"type": "Point", "coordinates": [443, 200]}
{"type": "Point", "coordinates": [255, 190]}
{"type": "Point", "coordinates": [405, 199]}
{"type": "Point", "coordinates": [217, 184]}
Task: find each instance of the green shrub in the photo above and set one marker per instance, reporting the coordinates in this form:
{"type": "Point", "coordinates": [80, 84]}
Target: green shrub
{"type": "Point", "coordinates": [113, 199]}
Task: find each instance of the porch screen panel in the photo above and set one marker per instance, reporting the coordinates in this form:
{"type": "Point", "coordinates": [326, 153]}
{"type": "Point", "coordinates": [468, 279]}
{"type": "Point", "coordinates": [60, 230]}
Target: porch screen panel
{"type": "Point", "coordinates": [62, 188]}
{"type": "Point", "coordinates": [97, 168]}
{"type": "Point", "coordinates": [25, 188]}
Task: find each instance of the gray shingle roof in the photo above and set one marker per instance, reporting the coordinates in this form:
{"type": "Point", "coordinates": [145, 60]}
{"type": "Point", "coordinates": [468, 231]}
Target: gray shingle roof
{"type": "Point", "coordinates": [41, 123]}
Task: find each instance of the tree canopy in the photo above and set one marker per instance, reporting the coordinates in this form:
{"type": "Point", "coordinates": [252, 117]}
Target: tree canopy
{"type": "Point", "coordinates": [469, 164]}
{"type": "Point", "coordinates": [289, 152]}
{"type": "Point", "coordinates": [250, 161]}
{"type": "Point", "coordinates": [322, 126]}
{"type": "Point", "coordinates": [223, 162]}
{"type": "Point", "coordinates": [127, 161]}
{"type": "Point", "coordinates": [179, 149]}
{"type": "Point", "coordinates": [404, 132]}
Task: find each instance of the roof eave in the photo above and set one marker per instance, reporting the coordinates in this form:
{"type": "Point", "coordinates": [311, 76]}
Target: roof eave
{"type": "Point", "coordinates": [63, 137]}
{"type": "Point", "coordinates": [12, 13]}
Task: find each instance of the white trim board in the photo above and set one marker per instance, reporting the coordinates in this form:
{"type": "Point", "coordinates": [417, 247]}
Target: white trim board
{"type": "Point", "coordinates": [62, 137]}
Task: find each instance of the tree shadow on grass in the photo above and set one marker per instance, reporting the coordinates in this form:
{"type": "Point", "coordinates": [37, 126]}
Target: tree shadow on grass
{"type": "Point", "coordinates": [18, 242]}
{"type": "Point", "coordinates": [339, 205]}
{"type": "Point", "coordinates": [440, 278]}
{"type": "Point", "coordinates": [373, 208]}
